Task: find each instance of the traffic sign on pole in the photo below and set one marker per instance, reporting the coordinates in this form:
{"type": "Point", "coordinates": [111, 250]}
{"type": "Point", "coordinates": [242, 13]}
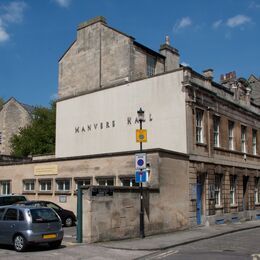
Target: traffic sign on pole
{"type": "Point", "coordinates": [140, 161]}
{"type": "Point", "coordinates": [141, 176]}
{"type": "Point", "coordinates": [141, 135]}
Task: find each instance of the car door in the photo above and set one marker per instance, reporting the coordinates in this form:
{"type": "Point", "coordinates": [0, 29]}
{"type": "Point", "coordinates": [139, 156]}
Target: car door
{"type": "Point", "coordinates": [2, 210]}
{"type": "Point", "coordinates": [9, 225]}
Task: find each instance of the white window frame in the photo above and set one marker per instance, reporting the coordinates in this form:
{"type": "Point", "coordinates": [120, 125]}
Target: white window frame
{"type": "Point", "coordinates": [199, 126]}
{"type": "Point", "coordinates": [233, 189]}
{"type": "Point", "coordinates": [257, 190]}
{"type": "Point", "coordinates": [243, 139]}
{"type": "Point", "coordinates": [46, 186]}
{"type": "Point", "coordinates": [5, 187]}
{"type": "Point", "coordinates": [29, 185]}
{"type": "Point", "coordinates": [218, 189]}
{"type": "Point", "coordinates": [63, 185]}
{"type": "Point", "coordinates": [254, 141]}
{"type": "Point", "coordinates": [231, 135]}
{"type": "Point", "coordinates": [216, 123]}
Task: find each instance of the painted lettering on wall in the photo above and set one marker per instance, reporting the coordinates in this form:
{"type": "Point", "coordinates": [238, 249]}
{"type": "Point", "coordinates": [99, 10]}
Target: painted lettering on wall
{"type": "Point", "coordinates": [90, 127]}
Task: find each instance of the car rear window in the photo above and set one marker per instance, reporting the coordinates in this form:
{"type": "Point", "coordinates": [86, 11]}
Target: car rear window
{"type": "Point", "coordinates": [43, 215]}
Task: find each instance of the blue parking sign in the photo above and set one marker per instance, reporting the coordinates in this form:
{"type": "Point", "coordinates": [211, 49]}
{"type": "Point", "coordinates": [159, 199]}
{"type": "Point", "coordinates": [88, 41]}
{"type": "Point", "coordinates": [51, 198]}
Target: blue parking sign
{"type": "Point", "coordinates": [141, 176]}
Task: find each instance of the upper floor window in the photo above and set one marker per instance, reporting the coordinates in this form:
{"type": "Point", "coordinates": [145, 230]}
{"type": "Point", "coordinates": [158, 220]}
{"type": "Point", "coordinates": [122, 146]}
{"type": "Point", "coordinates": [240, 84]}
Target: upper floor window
{"type": "Point", "coordinates": [218, 178]}
{"type": "Point", "coordinates": [199, 126]}
{"type": "Point", "coordinates": [257, 190]}
{"type": "Point", "coordinates": [243, 139]}
{"type": "Point", "coordinates": [5, 187]}
{"type": "Point", "coordinates": [254, 141]}
{"type": "Point", "coordinates": [231, 135]}
{"type": "Point", "coordinates": [151, 62]}
{"type": "Point", "coordinates": [216, 122]}
{"type": "Point", "coordinates": [232, 179]}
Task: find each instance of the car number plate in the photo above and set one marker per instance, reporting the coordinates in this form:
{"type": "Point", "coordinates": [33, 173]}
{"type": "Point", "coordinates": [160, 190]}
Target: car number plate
{"type": "Point", "coordinates": [49, 236]}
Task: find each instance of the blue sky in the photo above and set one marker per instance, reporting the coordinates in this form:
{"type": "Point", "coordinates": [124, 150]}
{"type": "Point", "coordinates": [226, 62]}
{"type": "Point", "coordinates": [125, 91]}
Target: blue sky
{"type": "Point", "coordinates": [223, 35]}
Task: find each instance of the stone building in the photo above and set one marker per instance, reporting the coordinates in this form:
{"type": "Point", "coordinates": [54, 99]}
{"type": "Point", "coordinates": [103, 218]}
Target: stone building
{"type": "Point", "coordinates": [202, 149]}
{"type": "Point", "coordinates": [13, 116]}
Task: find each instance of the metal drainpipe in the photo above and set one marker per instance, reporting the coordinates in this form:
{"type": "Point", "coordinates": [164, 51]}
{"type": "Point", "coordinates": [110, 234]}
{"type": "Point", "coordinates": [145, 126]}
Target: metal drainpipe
{"type": "Point", "coordinates": [79, 215]}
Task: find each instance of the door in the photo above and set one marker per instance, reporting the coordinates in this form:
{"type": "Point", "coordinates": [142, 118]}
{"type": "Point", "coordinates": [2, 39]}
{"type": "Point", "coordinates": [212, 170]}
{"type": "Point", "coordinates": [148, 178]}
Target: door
{"type": "Point", "coordinates": [199, 202]}
{"type": "Point", "coordinates": [245, 193]}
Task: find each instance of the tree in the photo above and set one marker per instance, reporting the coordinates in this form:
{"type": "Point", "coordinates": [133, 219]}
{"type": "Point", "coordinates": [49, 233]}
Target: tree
{"type": "Point", "coordinates": [39, 136]}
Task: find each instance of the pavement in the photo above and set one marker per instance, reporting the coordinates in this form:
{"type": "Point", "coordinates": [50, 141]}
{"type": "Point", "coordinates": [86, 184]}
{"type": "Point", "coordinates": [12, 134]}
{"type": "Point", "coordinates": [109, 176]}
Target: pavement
{"type": "Point", "coordinates": [169, 240]}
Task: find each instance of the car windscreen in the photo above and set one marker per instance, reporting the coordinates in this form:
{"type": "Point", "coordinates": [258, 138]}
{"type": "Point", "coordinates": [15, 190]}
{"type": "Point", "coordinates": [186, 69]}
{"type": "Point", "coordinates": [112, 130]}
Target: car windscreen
{"type": "Point", "coordinates": [43, 215]}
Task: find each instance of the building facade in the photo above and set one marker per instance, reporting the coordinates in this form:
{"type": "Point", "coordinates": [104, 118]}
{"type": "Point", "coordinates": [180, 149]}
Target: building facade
{"type": "Point", "coordinates": [203, 138]}
{"type": "Point", "coordinates": [13, 116]}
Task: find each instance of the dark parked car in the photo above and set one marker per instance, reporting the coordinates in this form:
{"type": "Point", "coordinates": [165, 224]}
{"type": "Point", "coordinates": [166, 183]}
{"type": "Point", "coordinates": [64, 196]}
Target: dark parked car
{"type": "Point", "coordinates": [11, 199]}
{"type": "Point", "coordinates": [68, 218]}
{"type": "Point", "coordinates": [22, 225]}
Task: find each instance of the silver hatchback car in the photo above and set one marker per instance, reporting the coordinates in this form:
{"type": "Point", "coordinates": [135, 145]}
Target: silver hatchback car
{"type": "Point", "coordinates": [24, 225]}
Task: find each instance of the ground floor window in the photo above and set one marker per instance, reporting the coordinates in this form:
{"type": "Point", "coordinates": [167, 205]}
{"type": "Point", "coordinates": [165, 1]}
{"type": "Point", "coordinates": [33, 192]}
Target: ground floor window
{"type": "Point", "coordinates": [82, 182]}
{"type": "Point", "coordinates": [108, 181]}
{"type": "Point", "coordinates": [5, 187]}
{"type": "Point", "coordinates": [45, 185]}
{"type": "Point", "coordinates": [129, 181]}
{"type": "Point", "coordinates": [218, 181]}
{"type": "Point", "coordinates": [257, 190]}
{"type": "Point", "coordinates": [233, 189]}
{"type": "Point", "coordinates": [63, 185]}
{"type": "Point", "coordinates": [29, 185]}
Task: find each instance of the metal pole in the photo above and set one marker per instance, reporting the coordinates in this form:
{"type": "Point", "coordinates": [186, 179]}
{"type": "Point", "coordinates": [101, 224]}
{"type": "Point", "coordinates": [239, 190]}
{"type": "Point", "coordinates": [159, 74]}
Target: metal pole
{"type": "Point", "coordinates": [141, 198]}
{"type": "Point", "coordinates": [79, 215]}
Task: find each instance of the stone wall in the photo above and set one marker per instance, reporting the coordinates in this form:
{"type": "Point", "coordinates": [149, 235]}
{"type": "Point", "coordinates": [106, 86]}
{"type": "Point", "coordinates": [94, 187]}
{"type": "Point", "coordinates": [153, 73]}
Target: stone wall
{"type": "Point", "coordinates": [13, 116]}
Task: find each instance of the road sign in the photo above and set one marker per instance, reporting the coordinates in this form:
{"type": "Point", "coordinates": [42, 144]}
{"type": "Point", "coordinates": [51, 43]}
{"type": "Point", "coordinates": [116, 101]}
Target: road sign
{"type": "Point", "coordinates": [141, 176]}
{"type": "Point", "coordinates": [140, 161]}
{"type": "Point", "coordinates": [141, 135]}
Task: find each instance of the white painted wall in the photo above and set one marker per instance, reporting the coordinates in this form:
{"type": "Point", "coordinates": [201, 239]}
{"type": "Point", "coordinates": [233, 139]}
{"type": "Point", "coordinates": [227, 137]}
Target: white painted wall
{"type": "Point", "coordinates": [162, 99]}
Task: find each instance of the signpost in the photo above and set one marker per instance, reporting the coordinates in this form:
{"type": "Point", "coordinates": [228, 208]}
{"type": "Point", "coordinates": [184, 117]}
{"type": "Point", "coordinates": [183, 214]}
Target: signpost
{"type": "Point", "coordinates": [140, 164]}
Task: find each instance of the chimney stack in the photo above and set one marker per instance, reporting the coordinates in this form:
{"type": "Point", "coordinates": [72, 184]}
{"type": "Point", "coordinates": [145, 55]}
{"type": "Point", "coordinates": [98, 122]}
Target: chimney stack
{"type": "Point", "coordinates": [208, 74]}
{"type": "Point", "coordinates": [172, 55]}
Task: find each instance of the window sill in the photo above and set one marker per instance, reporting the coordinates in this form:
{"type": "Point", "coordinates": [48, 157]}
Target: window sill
{"type": "Point", "coordinates": [28, 192]}
{"type": "Point", "coordinates": [257, 204]}
{"type": "Point", "coordinates": [45, 193]}
{"type": "Point", "coordinates": [201, 144]}
{"type": "Point", "coordinates": [62, 192]}
{"type": "Point", "coordinates": [233, 206]}
{"type": "Point", "coordinates": [219, 207]}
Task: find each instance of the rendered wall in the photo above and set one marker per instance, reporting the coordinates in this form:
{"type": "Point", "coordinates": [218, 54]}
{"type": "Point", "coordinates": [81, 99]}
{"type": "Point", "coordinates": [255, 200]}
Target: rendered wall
{"type": "Point", "coordinates": [105, 121]}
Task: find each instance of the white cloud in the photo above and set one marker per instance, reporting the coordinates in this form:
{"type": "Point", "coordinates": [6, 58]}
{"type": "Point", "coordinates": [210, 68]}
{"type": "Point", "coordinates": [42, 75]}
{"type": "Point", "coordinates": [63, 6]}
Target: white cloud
{"type": "Point", "coordinates": [11, 13]}
{"type": "Point", "coordinates": [238, 20]}
{"type": "Point", "coordinates": [254, 5]}
{"type": "Point", "coordinates": [4, 36]}
{"type": "Point", "coordinates": [216, 24]}
{"type": "Point", "coordinates": [182, 23]}
{"type": "Point", "coordinates": [63, 3]}
{"type": "Point", "coordinates": [185, 64]}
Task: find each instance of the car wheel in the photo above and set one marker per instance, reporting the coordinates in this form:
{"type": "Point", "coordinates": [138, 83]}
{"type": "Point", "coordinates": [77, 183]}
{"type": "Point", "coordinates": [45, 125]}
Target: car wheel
{"type": "Point", "coordinates": [20, 243]}
{"type": "Point", "coordinates": [55, 244]}
{"type": "Point", "coordinates": [68, 222]}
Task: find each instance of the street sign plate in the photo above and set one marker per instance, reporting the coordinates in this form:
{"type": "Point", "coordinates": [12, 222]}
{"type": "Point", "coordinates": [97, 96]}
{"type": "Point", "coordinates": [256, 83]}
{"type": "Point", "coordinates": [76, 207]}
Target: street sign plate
{"type": "Point", "coordinates": [141, 176]}
{"type": "Point", "coordinates": [140, 161]}
{"type": "Point", "coordinates": [141, 135]}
